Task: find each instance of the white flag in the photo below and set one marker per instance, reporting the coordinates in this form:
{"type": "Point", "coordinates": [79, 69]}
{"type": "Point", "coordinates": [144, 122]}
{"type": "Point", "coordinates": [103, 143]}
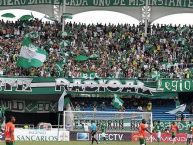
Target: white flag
{"type": "Point", "coordinates": [61, 101]}
{"type": "Point", "coordinates": [181, 108]}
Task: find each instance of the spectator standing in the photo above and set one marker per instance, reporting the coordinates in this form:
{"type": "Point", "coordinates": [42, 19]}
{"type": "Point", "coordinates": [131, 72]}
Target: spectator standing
{"type": "Point", "coordinates": [77, 108]}
{"type": "Point", "coordinates": [95, 108]}
{"type": "Point", "coordinates": [103, 106]}
{"type": "Point", "coordinates": [182, 116]}
{"type": "Point", "coordinates": [149, 106]}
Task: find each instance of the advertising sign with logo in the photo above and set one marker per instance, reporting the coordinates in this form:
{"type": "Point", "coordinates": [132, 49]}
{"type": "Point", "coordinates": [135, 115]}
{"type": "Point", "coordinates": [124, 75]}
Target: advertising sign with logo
{"type": "Point", "coordinates": [82, 136]}
{"type": "Point", "coordinates": [41, 135]}
{"type": "Point", "coordinates": [112, 136]}
{"type": "Point", "coordinates": [165, 137]}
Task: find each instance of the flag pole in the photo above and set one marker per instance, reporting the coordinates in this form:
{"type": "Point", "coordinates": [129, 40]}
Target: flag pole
{"type": "Point", "coordinates": [63, 11]}
{"type": "Point", "coordinates": [60, 108]}
{"type": "Point", "coordinates": [146, 17]}
{"type": "Point", "coordinates": [58, 124]}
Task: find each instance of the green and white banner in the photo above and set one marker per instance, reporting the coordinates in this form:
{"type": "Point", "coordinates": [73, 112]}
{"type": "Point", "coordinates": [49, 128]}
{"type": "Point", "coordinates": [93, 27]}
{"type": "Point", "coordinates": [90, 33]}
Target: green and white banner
{"type": "Point", "coordinates": [101, 3]}
{"type": "Point", "coordinates": [169, 85]}
{"type": "Point", "coordinates": [117, 101]}
{"type": "Point", "coordinates": [29, 106]}
{"type": "Point", "coordinates": [55, 86]}
{"type": "Point", "coordinates": [78, 85]}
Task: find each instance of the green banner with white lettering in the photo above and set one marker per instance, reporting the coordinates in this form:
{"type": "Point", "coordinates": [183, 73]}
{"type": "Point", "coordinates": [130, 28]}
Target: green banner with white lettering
{"type": "Point", "coordinates": [169, 85]}
{"type": "Point", "coordinates": [101, 3]}
{"type": "Point", "coordinates": [101, 86]}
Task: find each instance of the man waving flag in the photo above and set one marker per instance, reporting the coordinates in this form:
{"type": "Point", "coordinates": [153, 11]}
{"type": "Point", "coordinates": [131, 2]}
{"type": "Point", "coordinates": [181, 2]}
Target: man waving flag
{"type": "Point", "coordinates": [30, 55]}
{"type": "Point", "coordinates": [117, 102]}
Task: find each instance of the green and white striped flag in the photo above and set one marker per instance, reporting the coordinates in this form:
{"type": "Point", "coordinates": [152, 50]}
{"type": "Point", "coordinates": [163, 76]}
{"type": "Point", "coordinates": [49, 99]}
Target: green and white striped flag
{"type": "Point", "coordinates": [155, 75]}
{"type": "Point", "coordinates": [30, 55]}
{"type": "Point", "coordinates": [117, 101]}
{"type": "Point", "coordinates": [67, 15]}
{"type": "Point", "coordinates": [34, 34]}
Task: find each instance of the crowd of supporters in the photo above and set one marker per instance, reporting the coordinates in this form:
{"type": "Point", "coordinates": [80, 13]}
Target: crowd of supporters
{"type": "Point", "coordinates": [113, 51]}
{"type": "Point", "coordinates": [134, 104]}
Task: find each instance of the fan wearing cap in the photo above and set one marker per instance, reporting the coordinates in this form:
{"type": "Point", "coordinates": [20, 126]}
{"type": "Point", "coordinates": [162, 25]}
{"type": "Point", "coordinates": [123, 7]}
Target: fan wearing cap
{"type": "Point", "coordinates": [143, 128]}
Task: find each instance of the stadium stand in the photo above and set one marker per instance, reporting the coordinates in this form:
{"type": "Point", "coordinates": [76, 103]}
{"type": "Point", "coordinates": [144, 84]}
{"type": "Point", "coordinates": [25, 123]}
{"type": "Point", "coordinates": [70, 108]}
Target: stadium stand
{"type": "Point", "coordinates": [160, 107]}
{"type": "Point", "coordinates": [111, 51]}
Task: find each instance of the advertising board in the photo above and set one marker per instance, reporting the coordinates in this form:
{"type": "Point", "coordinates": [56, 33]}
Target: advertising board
{"type": "Point", "coordinates": [41, 135]}
{"type": "Point", "coordinates": [111, 136]}
{"type": "Point", "coordinates": [165, 137]}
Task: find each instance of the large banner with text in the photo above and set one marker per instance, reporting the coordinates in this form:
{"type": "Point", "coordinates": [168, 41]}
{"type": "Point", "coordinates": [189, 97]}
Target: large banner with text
{"type": "Point", "coordinates": [176, 85]}
{"type": "Point", "coordinates": [29, 106]}
{"type": "Point", "coordinates": [40, 85]}
{"type": "Point", "coordinates": [101, 3]}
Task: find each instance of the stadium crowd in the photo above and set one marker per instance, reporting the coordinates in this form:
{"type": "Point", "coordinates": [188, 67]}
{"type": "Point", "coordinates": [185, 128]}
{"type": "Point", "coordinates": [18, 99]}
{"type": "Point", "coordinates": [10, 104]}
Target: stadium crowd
{"type": "Point", "coordinates": [119, 51]}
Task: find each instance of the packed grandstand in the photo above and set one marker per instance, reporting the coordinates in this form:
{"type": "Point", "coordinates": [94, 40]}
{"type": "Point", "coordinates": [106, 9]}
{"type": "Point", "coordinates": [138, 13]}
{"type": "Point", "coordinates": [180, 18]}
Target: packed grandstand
{"type": "Point", "coordinates": [112, 51]}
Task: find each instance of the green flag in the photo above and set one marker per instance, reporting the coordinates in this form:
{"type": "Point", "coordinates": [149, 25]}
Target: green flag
{"type": "Point", "coordinates": [67, 15]}
{"type": "Point", "coordinates": [30, 55]}
{"type": "Point", "coordinates": [64, 43]}
{"type": "Point", "coordinates": [60, 65]}
{"type": "Point", "coordinates": [26, 17]}
{"type": "Point", "coordinates": [33, 34]}
{"type": "Point", "coordinates": [66, 101]}
{"type": "Point", "coordinates": [81, 58]}
{"type": "Point", "coordinates": [117, 101]}
{"type": "Point", "coordinates": [8, 15]}
{"type": "Point", "coordinates": [170, 29]}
